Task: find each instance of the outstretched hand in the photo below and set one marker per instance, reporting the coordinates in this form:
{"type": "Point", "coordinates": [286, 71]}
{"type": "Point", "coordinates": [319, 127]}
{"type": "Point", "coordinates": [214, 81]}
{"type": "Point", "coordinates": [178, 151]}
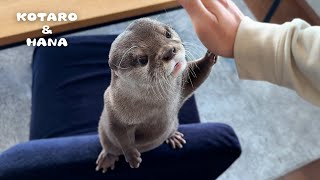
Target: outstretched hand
{"type": "Point", "coordinates": [216, 23]}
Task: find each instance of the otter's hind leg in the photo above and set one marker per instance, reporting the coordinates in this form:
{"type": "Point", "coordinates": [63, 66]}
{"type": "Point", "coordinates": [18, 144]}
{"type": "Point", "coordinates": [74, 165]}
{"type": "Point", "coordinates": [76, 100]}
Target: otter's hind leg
{"type": "Point", "coordinates": [176, 140]}
{"type": "Point", "coordinates": [106, 160]}
{"type": "Point", "coordinates": [108, 155]}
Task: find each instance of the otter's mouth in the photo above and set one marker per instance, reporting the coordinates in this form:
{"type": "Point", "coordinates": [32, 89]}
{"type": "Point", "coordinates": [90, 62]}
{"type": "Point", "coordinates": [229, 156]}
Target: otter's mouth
{"type": "Point", "coordinates": [177, 68]}
{"type": "Point", "coordinates": [176, 65]}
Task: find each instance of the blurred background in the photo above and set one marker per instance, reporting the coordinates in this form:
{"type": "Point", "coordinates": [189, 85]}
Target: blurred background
{"type": "Point", "coordinates": [278, 130]}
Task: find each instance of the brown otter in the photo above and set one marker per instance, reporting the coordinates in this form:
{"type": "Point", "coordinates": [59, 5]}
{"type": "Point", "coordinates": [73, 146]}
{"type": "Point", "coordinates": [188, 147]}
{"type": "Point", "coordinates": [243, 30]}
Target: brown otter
{"type": "Point", "coordinates": [150, 81]}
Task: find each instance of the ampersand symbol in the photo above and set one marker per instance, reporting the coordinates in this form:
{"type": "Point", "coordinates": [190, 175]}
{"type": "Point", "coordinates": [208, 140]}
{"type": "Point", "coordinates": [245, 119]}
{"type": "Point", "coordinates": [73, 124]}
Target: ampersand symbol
{"type": "Point", "coordinates": [46, 30]}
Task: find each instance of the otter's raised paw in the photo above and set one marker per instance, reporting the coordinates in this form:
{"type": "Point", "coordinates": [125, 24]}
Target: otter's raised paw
{"type": "Point", "coordinates": [106, 161]}
{"type": "Point", "coordinates": [176, 140]}
{"type": "Point", "coordinates": [212, 58]}
{"type": "Point", "coordinates": [133, 157]}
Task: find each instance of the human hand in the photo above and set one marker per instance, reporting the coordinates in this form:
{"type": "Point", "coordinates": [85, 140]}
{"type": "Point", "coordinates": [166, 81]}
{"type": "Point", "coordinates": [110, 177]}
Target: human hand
{"type": "Point", "coordinates": [216, 23]}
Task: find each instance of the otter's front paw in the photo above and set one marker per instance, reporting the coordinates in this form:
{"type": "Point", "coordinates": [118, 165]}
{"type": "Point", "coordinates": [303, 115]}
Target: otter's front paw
{"type": "Point", "coordinates": [133, 158]}
{"type": "Point", "coordinates": [176, 140]}
{"type": "Point", "coordinates": [210, 58]}
{"type": "Point", "coordinates": [106, 161]}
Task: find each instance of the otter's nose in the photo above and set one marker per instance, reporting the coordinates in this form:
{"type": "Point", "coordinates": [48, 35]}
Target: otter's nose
{"type": "Point", "coordinates": [169, 53]}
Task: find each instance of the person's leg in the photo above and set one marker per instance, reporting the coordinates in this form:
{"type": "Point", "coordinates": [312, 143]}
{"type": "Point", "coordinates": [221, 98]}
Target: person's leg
{"type": "Point", "coordinates": [210, 149]}
{"type": "Point", "coordinates": [68, 86]}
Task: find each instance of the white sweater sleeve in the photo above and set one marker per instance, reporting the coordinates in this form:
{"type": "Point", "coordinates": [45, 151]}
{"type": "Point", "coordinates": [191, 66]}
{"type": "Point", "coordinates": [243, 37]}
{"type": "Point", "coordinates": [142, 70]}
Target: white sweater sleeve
{"type": "Point", "coordinates": [287, 55]}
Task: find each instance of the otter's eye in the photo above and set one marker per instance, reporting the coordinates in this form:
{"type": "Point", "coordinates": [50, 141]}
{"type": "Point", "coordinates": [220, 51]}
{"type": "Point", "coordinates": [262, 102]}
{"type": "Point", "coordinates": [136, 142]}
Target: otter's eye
{"type": "Point", "coordinates": [168, 34]}
{"type": "Point", "coordinates": [143, 60]}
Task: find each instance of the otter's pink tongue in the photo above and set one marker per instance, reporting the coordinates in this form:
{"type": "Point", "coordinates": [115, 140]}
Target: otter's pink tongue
{"type": "Point", "coordinates": [176, 68]}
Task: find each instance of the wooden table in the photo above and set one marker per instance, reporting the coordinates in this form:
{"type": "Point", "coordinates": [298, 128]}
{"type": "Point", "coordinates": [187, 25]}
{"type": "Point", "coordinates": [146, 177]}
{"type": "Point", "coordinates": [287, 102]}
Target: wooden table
{"type": "Point", "coordinates": [90, 12]}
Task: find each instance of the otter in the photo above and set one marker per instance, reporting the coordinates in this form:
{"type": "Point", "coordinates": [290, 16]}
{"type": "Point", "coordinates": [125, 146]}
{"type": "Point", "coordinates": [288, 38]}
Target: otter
{"type": "Point", "coordinates": [150, 81]}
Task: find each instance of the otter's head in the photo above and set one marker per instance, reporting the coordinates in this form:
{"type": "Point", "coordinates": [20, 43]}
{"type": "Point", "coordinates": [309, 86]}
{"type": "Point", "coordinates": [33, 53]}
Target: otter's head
{"type": "Point", "coordinates": [147, 52]}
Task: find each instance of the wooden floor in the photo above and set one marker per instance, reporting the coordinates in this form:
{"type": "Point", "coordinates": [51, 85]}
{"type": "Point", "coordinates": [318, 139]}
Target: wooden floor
{"type": "Point", "coordinates": [90, 12]}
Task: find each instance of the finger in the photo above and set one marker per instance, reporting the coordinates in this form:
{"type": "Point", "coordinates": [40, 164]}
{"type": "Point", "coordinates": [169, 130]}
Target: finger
{"type": "Point", "coordinates": [216, 7]}
{"type": "Point", "coordinates": [179, 133]}
{"type": "Point", "coordinates": [195, 9]}
{"type": "Point", "coordinates": [172, 144]}
{"type": "Point", "coordinates": [167, 141]}
{"type": "Point", "coordinates": [101, 161]}
{"type": "Point", "coordinates": [181, 139]}
{"type": "Point", "coordinates": [138, 165]}
{"type": "Point", "coordinates": [112, 167]}
{"type": "Point", "coordinates": [139, 160]}
{"type": "Point", "coordinates": [235, 8]}
{"type": "Point", "coordinates": [104, 170]}
{"type": "Point", "coordinates": [99, 158]}
{"type": "Point", "coordinates": [98, 168]}
{"type": "Point", "coordinates": [225, 3]}
{"type": "Point", "coordinates": [178, 143]}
